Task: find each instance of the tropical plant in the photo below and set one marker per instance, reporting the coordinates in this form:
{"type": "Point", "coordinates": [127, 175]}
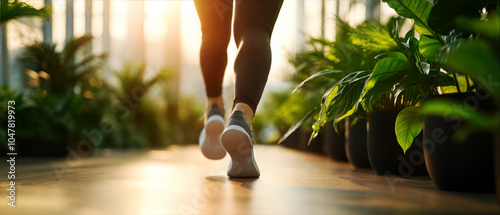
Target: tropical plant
{"type": "Point", "coordinates": [477, 57]}
{"type": "Point", "coordinates": [10, 10]}
{"type": "Point", "coordinates": [61, 72]}
{"type": "Point", "coordinates": [351, 58]}
{"type": "Point", "coordinates": [133, 89]}
{"type": "Point", "coordinates": [400, 79]}
{"type": "Point", "coordinates": [440, 37]}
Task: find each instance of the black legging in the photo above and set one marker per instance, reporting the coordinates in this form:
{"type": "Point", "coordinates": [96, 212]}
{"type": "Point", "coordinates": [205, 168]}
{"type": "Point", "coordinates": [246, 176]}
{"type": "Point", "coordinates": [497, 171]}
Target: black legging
{"type": "Point", "coordinates": [253, 24]}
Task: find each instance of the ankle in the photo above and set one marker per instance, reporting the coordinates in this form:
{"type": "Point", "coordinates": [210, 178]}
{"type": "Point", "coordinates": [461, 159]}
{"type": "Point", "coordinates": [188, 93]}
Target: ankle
{"type": "Point", "coordinates": [215, 100]}
{"type": "Point", "coordinates": [247, 112]}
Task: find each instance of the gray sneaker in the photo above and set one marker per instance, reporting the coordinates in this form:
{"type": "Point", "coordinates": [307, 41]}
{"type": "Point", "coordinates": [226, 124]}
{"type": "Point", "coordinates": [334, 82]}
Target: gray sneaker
{"type": "Point", "coordinates": [238, 141]}
{"type": "Point", "coordinates": [209, 139]}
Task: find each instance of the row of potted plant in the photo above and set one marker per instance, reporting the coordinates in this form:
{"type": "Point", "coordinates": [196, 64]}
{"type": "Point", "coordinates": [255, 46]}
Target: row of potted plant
{"type": "Point", "coordinates": [66, 102]}
{"type": "Point", "coordinates": [440, 77]}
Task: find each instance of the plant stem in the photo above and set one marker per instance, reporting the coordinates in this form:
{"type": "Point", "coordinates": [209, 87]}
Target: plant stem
{"type": "Point", "coordinates": [456, 82]}
{"type": "Point", "coordinates": [468, 84]}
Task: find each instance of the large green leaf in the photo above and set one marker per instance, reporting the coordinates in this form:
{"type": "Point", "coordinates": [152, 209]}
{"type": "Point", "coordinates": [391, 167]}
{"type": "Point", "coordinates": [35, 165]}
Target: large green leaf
{"type": "Point", "coordinates": [408, 126]}
{"type": "Point", "coordinates": [476, 59]}
{"type": "Point", "coordinates": [414, 50]}
{"type": "Point", "coordinates": [387, 73]}
{"type": "Point", "coordinates": [428, 47]}
{"type": "Point", "coordinates": [343, 98]}
{"type": "Point", "coordinates": [416, 10]}
{"type": "Point", "coordinates": [395, 54]}
{"type": "Point", "coordinates": [386, 66]}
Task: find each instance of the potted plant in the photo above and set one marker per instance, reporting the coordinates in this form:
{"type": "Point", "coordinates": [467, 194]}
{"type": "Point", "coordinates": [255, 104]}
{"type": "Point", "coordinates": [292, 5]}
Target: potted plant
{"type": "Point", "coordinates": [352, 51]}
{"type": "Point", "coordinates": [59, 98]}
{"type": "Point", "coordinates": [355, 137]}
{"type": "Point", "coordinates": [132, 90]}
{"type": "Point", "coordinates": [452, 166]}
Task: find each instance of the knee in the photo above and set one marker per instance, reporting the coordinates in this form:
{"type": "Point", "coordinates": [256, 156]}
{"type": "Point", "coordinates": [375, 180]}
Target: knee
{"type": "Point", "coordinates": [216, 37]}
{"type": "Point", "coordinates": [251, 35]}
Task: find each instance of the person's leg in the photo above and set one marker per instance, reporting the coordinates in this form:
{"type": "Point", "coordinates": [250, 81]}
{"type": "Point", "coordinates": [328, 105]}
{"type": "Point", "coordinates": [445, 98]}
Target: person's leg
{"type": "Point", "coordinates": [253, 25]}
{"type": "Point", "coordinates": [215, 18]}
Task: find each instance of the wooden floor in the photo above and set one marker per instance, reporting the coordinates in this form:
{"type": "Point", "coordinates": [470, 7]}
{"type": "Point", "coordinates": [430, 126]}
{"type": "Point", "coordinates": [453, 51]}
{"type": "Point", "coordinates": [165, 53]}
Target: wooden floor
{"type": "Point", "coordinates": [180, 181]}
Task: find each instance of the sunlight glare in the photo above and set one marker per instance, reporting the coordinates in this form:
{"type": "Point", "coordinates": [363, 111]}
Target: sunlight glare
{"type": "Point", "coordinates": [155, 25]}
{"type": "Point", "coordinates": [119, 12]}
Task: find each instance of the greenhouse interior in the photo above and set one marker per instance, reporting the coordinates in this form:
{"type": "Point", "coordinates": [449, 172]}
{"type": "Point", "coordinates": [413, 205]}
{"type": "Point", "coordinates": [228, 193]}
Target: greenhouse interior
{"type": "Point", "coordinates": [250, 107]}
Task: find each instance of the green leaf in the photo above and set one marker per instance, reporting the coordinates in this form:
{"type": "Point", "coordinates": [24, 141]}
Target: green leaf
{"type": "Point", "coordinates": [408, 125]}
{"type": "Point", "coordinates": [344, 97]}
{"type": "Point", "coordinates": [297, 125]}
{"type": "Point", "coordinates": [440, 78]}
{"type": "Point", "coordinates": [315, 75]}
{"type": "Point", "coordinates": [426, 67]}
{"type": "Point", "coordinates": [476, 59]}
{"type": "Point", "coordinates": [394, 54]}
{"type": "Point", "coordinates": [409, 34]}
{"type": "Point", "coordinates": [416, 10]}
{"type": "Point", "coordinates": [372, 37]}
{"type": "Point", "coordinates": [387, 73]}
{"type": "Point", "coordinates": [385, 67]}
{"type": "Point", "coordinates": [413, 44]}
{"type": "Point", "coordinates": [429, 47]}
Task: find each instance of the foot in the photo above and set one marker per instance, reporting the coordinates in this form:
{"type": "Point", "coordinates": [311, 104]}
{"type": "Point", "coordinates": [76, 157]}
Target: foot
{"type": "Point", "coordinates": [238, 141]}
{"type": "Point", "coordinates": [209, 139]}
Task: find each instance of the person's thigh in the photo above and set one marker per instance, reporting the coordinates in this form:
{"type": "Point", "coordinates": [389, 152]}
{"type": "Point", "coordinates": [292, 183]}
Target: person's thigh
{"type": "Point", "coordinates": [215, 15]}
{"type": "Point", "coordinates": [255, 15]}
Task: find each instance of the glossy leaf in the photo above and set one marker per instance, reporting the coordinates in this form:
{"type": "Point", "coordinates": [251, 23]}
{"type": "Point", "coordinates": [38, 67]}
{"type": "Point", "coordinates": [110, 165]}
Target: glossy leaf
{"type": "Point", "coordinates": [408, 125]}
{"type": "Point", "coordinates": [426, 67]}
{"type": "Point", "coordinates": [387, 73]}
{"type": "Point", "coordinates": [394, 54]}
{"type": "Point", "coordinates": [414, 50]}
{"type": "Point", "coordinates": [428, 47]}
{"type": "Point", "coordinates": [342, 100]}
{"type": "Point", "coordinates": [417, 10]}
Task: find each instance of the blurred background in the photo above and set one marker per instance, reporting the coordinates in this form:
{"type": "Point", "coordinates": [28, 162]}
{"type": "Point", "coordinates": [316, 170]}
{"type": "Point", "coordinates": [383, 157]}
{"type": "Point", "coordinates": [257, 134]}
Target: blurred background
{"type": "Point", "coordinates": [97, 74]}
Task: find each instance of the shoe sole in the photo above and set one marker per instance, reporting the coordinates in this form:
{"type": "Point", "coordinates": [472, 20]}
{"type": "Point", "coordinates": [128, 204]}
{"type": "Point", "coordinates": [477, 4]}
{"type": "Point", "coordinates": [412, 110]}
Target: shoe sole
{"type": "Point", "coordinates": [211, 146]}
{"type": "Point", "coordinates": [239, 146]}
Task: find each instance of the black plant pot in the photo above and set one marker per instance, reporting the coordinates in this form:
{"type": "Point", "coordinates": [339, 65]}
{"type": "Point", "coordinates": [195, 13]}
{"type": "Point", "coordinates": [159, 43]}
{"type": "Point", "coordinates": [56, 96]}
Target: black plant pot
{"type": "Point", "coordinates": [42, 148]}
{"type": "Point", "coordinates": [458, 166]}
{"type": "Point", "coordinates": [317, 145]}
{"type": "Point", "coordinates": [297, 140]}
{"type": "Point", "coordinates": [497, 165]}
{"type": "Point", "coordinates": [335, 142]}
{"type": "Point", "coordinates": [356, 147]}
{"type": "Point", "coordinates": [384, 152]}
